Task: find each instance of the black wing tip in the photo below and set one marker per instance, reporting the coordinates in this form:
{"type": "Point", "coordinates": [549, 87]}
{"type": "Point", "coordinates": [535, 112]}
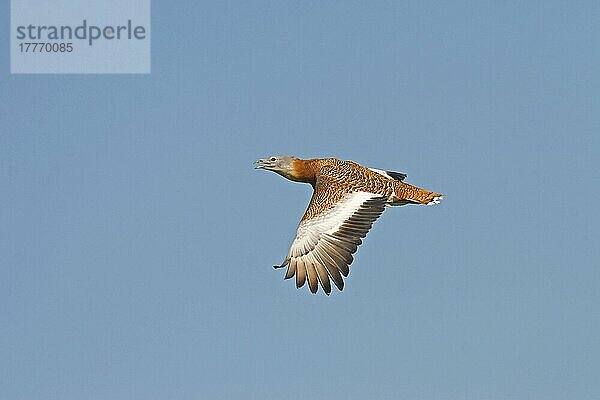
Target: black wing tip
{"type": "Point", "coordinates": [283, 264]}
{"type": "Point", "coordinates": [399, 176]}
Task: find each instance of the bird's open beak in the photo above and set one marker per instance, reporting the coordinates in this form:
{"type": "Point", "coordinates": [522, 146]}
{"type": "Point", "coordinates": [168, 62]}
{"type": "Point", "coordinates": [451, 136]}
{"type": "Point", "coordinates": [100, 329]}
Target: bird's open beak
{"type": "Point", "coordinates": [264, 163]}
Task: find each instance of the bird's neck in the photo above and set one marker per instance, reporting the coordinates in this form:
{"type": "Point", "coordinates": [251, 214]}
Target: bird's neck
{"type": "Point", "coordinates": [303, 171]}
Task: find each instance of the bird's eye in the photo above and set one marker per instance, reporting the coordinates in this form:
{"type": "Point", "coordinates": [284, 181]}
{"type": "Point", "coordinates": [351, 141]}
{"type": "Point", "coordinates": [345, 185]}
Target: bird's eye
{"type": "Point", "coordinates": [273, 159]}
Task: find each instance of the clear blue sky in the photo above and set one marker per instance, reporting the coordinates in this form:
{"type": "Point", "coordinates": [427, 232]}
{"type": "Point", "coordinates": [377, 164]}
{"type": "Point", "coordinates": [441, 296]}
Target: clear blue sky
{"type": "Point", "coordinates": [136, 240]}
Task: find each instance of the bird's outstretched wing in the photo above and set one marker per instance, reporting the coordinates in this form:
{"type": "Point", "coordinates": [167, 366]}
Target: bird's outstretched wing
{"type": "Point", "coordinates": [329, 234]}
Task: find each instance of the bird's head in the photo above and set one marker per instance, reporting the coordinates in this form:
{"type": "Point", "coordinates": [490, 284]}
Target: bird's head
{"type": "Point", "coordinates": [283, 165]}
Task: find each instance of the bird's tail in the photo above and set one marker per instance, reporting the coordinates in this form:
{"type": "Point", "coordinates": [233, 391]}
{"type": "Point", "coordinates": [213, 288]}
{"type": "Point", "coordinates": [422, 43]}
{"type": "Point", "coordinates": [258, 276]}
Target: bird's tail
{"type": "Point", "coordinates": [417, 195]}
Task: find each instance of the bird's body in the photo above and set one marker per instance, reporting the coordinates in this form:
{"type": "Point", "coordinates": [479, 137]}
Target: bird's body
{"type": "Point", "coordinates": [347, 199]}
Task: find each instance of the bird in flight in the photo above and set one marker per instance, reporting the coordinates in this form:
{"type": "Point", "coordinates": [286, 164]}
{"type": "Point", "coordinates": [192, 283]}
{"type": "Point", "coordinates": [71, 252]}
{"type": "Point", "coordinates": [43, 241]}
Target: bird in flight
{"type": "Point", "coordinates": [347, 198]}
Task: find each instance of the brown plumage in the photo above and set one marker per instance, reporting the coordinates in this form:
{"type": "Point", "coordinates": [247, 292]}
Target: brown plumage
{"type": "Point", "coordinates": [346, 201]}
